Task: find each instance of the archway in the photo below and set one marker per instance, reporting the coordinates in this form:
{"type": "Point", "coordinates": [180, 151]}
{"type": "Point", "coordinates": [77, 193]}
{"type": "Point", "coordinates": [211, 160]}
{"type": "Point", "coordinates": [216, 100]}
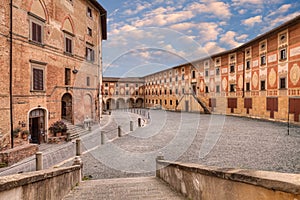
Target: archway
{"type": "Point", "coordinates": [139, 103]}
{"type": "Point", "coordinates": [120, 104]}
{"type": "Point", "coordinates": [66, 107]}
{"type": "Point", "coordinates": [130, 103]}
{"type": "Point", "coordinates": [110, 104]}
{"type": "Point", "coordinates": [37, 125]}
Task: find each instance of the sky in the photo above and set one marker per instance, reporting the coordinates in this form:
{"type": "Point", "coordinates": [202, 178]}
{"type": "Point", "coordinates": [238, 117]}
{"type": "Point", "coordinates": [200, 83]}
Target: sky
{"type": "Point", "coordinates": [145, 37]}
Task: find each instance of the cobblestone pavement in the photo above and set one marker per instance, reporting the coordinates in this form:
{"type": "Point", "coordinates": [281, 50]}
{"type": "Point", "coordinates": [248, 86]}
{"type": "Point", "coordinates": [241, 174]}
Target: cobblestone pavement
{"type": "Point", "coordinates": [223, 141]}
{"type": "Point", "coordinates": [125, 189]}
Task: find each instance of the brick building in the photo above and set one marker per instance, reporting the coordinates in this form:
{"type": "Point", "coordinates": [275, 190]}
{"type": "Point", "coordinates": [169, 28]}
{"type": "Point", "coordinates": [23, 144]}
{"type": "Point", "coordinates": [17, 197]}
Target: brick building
{"type": "Point", "coordinates": [121, 93]}
{"type": "Point", "coordinates": [56, 63]}
{"type": "Point", "coordinates": [258, 79]}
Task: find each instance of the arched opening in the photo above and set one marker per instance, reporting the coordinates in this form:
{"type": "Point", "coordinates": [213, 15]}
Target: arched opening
{"type": "Point", "coordinates": [139, 103]}
{"type": "Point", "coordinates": [37, 125]}
{"type": "Point", "coordinates": [66, 107]}
{"type": "Point", "coordinates": [120, 104]}
{"type": "Point", "coordinates": [110, 104]}
{"type": "Point", "coordinates": [130, 103]}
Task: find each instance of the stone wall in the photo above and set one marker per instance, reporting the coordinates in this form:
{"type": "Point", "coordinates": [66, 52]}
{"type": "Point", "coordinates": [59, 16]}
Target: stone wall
{"type": "Point", "coordinates": [209, 183]}
{"type": "Point", "coordinates": [46, 184]}
{"type": "Point", "coordinates": [14, 155]}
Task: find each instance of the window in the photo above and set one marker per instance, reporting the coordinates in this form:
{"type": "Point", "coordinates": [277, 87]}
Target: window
{"type": "Point", "coordinates": [171, 102]}
{"type": "Point", "coordinates": [176, 91]}
{"type": "Point", "coordinates": [165, 91]}
{"type": "Point", "coordinates": [106, 84]}
{"type": "Point", "coordinates": [89, 31]}
{"type": "Point", "coordinates": [117, 93]}
{"type": "Point", "coordinates": [127, 93]}
{"type": "Point", "coordinates": [248, 64]}
{"type": "Point", "coordinates": [182, 77]}
{"type": "Point", "coordinates": [90, 54]}
{"type": "Point", "coordinates": [263, 60]}
{"type": "Point", "coordinates": [248, 86]}
{"type": "Point", "coordinates": [170, 91]}
{"type": "Point", "coordinates": [165, 102]}
{"type": "Point", "coordinates": [232, 68]}
{"type": "Point", "coordinates": [282, 83]}
{"type": "Point", "coordinates": [136, 93]}
{"type": "Point", "coordinates": [37, 79]}
{"type": "Point", "coordinates": [206, 72]}
{"type": "Point", "coordinates": [136, 85]}
{"type": "Point", "coordinates": [263, 85]}
{"type": "Point", "coordinates": [88, 81]}
{"type": "Point", "coordinates": [282, 54]}
{"type": "Point", "coordinates": [156, 101]}
{"type": "Point", "coordinates": [170, 79]}
{"type": "Point", "coordinates": [193, 74]}
{"type": "Point", "coordinates": [106, 92]}
{"type": "Point", "coordinates": [177, 102]}
{"type": "Point", "coordinates": [67, 76]}
{"type": "Point", "coordinates": [68, 44]}
{"type": "Point", "coordinates": [126, 84]}
{"type": "Point", "coordinates": [36, 30]}
{"type": "Point", "coordinates": [89, 12]}
{"type": "Point", "coordinates": [217, 71]}
{"type": "Point", "coordinates": [206, 89]}
{"type": "Point", "coordinates": [176, 78]}
{"type": "Point", "coordinates": [182, 90]}
{"type": "Point", "coordinates": [232, 86]}
{"type": "Point", "coordinates": [218, 89]}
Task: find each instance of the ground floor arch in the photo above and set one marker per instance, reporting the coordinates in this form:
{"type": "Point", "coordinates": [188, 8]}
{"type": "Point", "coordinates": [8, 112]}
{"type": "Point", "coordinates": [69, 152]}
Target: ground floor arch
{"type": "Point", "coordinates": [37, 125]}
{"type": "Point", "coordinates": [130, 103]}
{"type": "Point", "coordinates": [139, 103]}
{"type": "Point", "coordinates": [66, 107]}
{"type": "Point", "coordinates": [120, 104]}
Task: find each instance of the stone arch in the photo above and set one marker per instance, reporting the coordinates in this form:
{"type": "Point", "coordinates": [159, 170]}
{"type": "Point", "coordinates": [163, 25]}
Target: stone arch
{"type": "Point", "coordinates": [66, 107]}
{"type": "Point", "coordinates": [139, 103]}
{"type": "Point", "coordinates": [37, 124]}
{"type": "Point", "coordinates": [88, 106]}
{"type": "Point", "coordinates": [120, 103]}
{"type": "Point", "coordinates": [110, 104]}
{"type": "Point", "coordinates": [68, 25]}
{"type": "Point", "coordinates": [130, 103]}
{"type": "Point", "coordinates": [38, 8]}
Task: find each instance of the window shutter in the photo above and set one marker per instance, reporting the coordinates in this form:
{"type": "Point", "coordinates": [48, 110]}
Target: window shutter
{"type": "Point", "coordinates": [38, 79]}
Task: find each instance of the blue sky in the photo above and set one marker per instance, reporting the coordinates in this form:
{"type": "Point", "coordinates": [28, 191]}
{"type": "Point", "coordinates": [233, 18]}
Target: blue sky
{"type": "Point", "coordinates": [148, 36]}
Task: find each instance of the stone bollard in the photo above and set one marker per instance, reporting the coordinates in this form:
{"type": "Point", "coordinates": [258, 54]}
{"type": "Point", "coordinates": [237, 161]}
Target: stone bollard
{"type": "Point", "coordinates": [148, 115]}
{"type": "Point", "coordinates": [39, 161]}
{"type": "Point", "coordinates": [102, 137]}
{"type": "Point", "coordinates": [78, 161]}
{"type": "Point", "coordinates": [131, 125]}
{"type": "Point", "coordinates": [119, 131]}
{"type": "Point", "coordinates": [68, 136]}
{"type": "Point", "coordinates": [78, 147]}
{"type": "Point", "coordinates": [158, 166]}
{"type": "Point", "coordinates": [139, 122]}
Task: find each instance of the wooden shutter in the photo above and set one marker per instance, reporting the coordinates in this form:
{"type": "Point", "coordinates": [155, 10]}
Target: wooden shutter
{"type": "Point", "coordinates": [38, 79]}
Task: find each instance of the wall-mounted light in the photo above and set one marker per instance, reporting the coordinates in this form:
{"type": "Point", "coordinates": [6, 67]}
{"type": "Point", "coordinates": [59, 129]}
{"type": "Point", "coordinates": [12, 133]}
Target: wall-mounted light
{"type": "Point", "coordinates": [23, 124]}
{"type": "Point", "coordinates": [75, 71]}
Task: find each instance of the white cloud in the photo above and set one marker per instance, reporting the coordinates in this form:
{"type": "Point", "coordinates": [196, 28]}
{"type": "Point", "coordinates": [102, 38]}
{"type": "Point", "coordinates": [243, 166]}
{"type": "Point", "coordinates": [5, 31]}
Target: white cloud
{"type": "Point", "coordinates": [139, 8]}
{"type": "Point", "coordinates": [252, 20]}
{"type": "Point", "coordinates": [242, 2]}
{"type": "Point", "coordinates": [242, 11]}
{"type": "Point", "coordinates": [284, 8]}
{"type": "Point", "coordinates": [183, 26]}
{"type": "Point", "coordinates": [217, 8]}
{"type": "Point", "coordinates": [213, 48]}
{"type": "Point", "coordinates": [208, 31]}
{"type": "Point", "coordinates": [278, 20]}
{"type": "Point", "coordinates": [242, 37]}
{"type": "Point", "coordinates": [229, 38]}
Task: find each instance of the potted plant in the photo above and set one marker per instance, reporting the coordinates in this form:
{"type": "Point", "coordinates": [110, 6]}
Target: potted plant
{"type": "Point", "coordinates": [25, 134]}
{"type": "Point", "coordinates": [58, 128]}
{"type": "Point", "coordinates": [16, 132]}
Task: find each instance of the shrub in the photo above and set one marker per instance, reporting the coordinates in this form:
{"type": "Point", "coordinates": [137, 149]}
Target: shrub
{"type": "Point", "coordinates": [58, 127]}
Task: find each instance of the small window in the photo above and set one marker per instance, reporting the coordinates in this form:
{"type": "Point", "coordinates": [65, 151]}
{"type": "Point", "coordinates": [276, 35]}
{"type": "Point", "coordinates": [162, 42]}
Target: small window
{"type": "Point", "coordinates": [176, 78]}
{"type": "Point", "coordinates": [127, 93]}
{"type": "Point", "coordinates": [165, 102]}
{"type": "Point", "coordinates": [117, 85]}
{"type": "Point", "coordinates": [89, 12]}
{"type": "Point", "coordinates": [217, 88]}
{"type": "Point", "coordinates": [165, 91]}
{"type": "Point", "coordinates": [182, 77]}
{"type": "Point", "coordinates": [232, 68]}
{"type": "Point", "coordinates": [156, 101]}
{"type": "Point", "coordinates": [282, 54]}
{"type": "Point", "coordinates": [136, 85]}
{"type": "Point", "coordinates": [177, 102]}
{"type": "Point", "coordinates": [106, 92]}
{"type": "Point", "coordinates": [176, 91]}
{"type": "Point", "coordinates": [88, 81]}
{"type": "Point", "coordinates": [263, 85]}
{"type": "Point", "coordinates": [67, 76]}
{"type": "Point", "coordinates": [165, 80]}
{"type": "Point", "coordinates": [68, 44]}
{"type": "Point", "coordinates": [126, 84]}
{"type": "Point", "coordinates": [248, 86]}
{"type": "Point", "coordinates": [117, 92]}
{"type": "Point", "coordinates": [89, 31]}
{"type": "Point", "coordinates": [171, 102]}
{"type": "Point", "coordinates": [136, 93]}
{"type": "Point", "coordinates": [170, 91]}
{"type": "Point", "coordinates": [206, 72]}
{"type": "Point", "coordinates": [282, 83]}
{"type": "Point", "coordinates": [106, 84]}
{"type": "Point", "coordinates": [248, 64]}
{"type": "Point", "coordinates": [217, 71]}
{"type": "Point", "coordinates": [263, 60]}
{"type": "Point", "coordinates": [193, 74]}
{"type": "Point", "coordinates": [170, 79]}
{"type": "Point", "coordinates": [232, 87]}
{"type": "Point", "coordinates": [182, 90]}
{"type": "Point", "coordinates": [36, 31]}
{"type": "Point", "coordinates": [90, 54]}
{"type": "Point", "coordinates": [206, 89]}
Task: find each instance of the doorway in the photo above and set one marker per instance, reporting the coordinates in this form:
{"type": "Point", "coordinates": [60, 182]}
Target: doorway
{"type": "Point", "coordinates": [66, 107]}
{"type": "Point", "coordinates": [37, 125]}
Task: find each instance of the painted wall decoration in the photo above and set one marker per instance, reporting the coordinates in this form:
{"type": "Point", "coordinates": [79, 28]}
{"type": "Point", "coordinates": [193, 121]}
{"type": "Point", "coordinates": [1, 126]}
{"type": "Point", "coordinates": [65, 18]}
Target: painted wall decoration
{"type": "Point", "coordinates": [295, 74]}
{"type": "Point", "coordinates": [255, 79]}
{"type": "Point", "coordinates": [272, 77]}
{"type": "Point", "coordinates": [224, 83]}
{"type": "Point", "coordinates": [240, 82]}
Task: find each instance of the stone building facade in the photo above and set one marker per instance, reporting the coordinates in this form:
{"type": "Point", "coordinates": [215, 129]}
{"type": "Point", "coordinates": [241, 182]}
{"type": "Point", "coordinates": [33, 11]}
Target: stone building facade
{"type": "Point", "coordinates": [119, 93]}
{"type": "Point", "coordinates": [259, 79]}
{"type": "Point", "coordinates": [56, 63]}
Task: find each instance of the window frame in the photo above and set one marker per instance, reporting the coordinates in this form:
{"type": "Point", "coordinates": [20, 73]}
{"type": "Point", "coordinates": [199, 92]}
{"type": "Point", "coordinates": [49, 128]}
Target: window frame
{"type": "Point", "coordinates": [280, 54]}
{"type": "Point", "coordinates": [38, 21]}
{"type": "Point", "coordinates": [32, 80]}
{"type": "Point", "coordinates": [282, 83]}
{"type": "Point", "coordinates": [89, 12]}
{"type": "Point", "coordinates": [67, 76]}
{"type": "Point", "coordinates": [89, 53]}
{"type": "Point", "coordinates": [263, 60]}
{"type": "Point", "coordinates": [263, 85]}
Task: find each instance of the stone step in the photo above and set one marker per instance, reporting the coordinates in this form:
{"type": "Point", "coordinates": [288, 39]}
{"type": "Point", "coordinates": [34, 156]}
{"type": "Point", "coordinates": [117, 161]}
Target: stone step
{"type": "Point", "coordinates": [125, 189]}
{"type": "Point", "coordinates": [75, 131]}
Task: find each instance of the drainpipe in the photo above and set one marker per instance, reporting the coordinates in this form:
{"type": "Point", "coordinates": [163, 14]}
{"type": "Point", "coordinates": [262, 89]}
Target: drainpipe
{"type": "Point", "coordinates": [10, 75]}
{"type": "Point", "coordinates": [244, 71]}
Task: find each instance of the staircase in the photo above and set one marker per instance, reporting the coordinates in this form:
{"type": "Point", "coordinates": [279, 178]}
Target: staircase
{"type": "Point", "coordinates": [202, 104]}
{"type": "Point", "coordinates": [125, 189]}
{"type": "Point", "coordinates": [75, 131]}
